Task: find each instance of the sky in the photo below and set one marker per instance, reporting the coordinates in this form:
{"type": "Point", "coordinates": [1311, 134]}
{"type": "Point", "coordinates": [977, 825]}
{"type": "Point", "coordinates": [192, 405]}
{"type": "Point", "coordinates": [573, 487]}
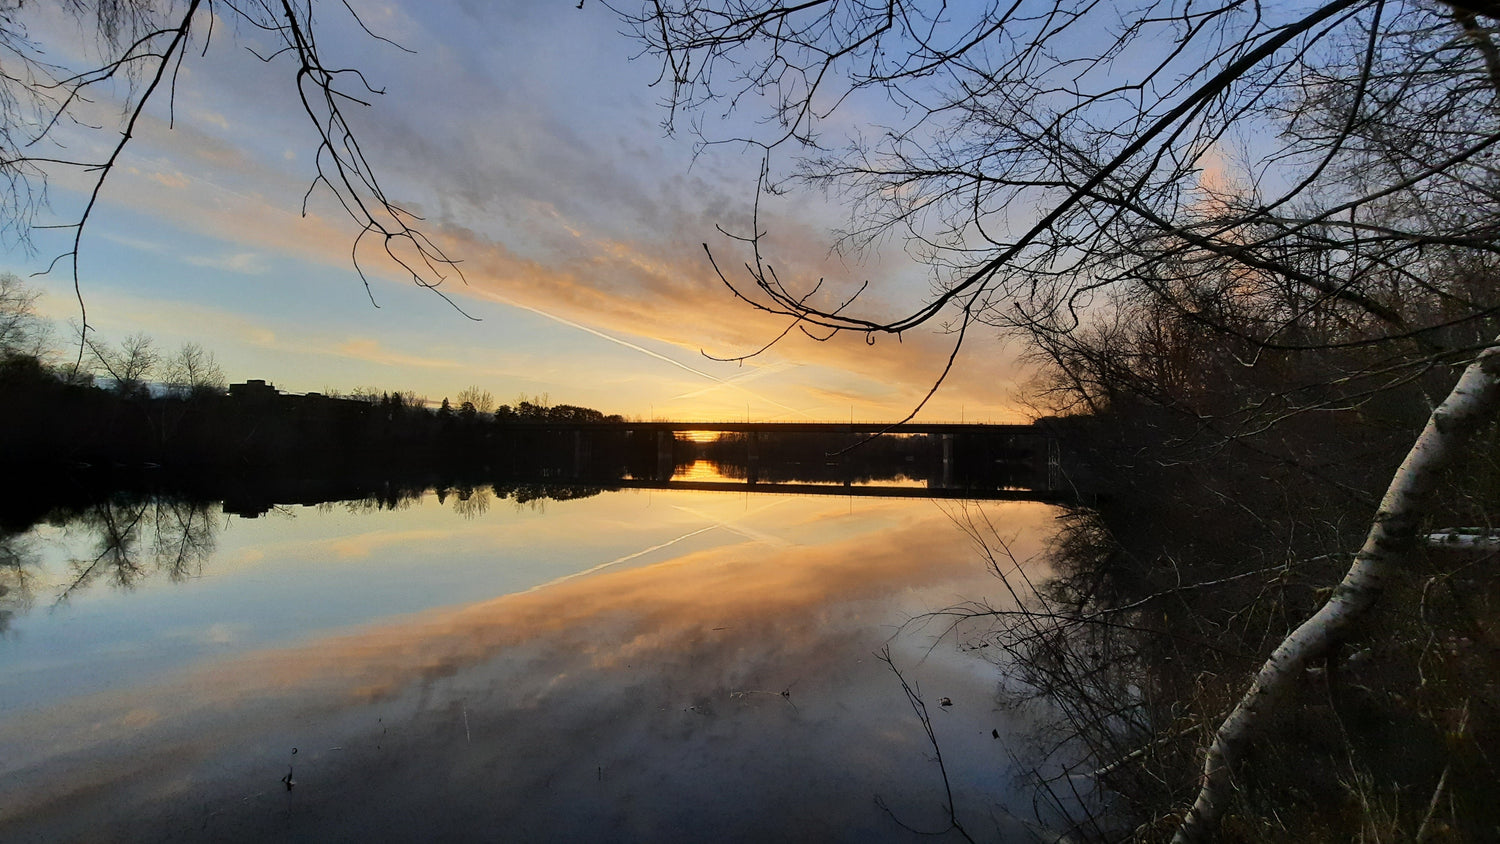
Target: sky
{"type": "Point", "coordinates": [530, 140]}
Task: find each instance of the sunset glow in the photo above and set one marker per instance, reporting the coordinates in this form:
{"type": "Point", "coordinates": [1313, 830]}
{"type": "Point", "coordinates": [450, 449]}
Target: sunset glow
{"type": "Point", "coordinates": [531, 144]}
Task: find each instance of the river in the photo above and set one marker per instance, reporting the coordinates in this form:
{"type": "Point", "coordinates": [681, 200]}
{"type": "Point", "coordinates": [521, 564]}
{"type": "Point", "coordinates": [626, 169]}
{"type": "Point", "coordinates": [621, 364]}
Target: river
{"type": "Point", "coordinates": [636, 665]}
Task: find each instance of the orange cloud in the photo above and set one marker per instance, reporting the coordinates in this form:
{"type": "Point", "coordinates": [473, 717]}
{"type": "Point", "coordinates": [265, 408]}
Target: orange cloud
{"type": "Point", "coordinates": [659, 287]}
{"type": "Point", "coordinates": [714, 621]}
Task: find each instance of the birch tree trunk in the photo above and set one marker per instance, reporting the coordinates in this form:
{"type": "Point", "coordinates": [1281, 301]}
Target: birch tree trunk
{"type": "Point", "coordinates": [1393, 534]}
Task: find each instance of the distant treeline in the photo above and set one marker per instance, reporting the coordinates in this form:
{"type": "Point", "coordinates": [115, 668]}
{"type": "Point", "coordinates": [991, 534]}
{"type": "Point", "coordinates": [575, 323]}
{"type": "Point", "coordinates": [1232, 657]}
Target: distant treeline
{"type": "Point", "coordinates": [141, 525]}
{"type": "Point", "coordinates": [52, 419]}
{"type": "Point", "coordinates": [133, 405]}
{"type": "Point", "coordinates": [61, 497]}
{"type": "Point", "coordinates": [127, 407]}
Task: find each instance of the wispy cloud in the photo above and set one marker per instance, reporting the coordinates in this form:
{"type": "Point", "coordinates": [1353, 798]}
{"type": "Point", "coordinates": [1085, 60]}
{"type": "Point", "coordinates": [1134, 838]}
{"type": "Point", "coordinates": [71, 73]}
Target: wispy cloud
{"type": "Point", "coordinates": [750, 374]}
{"type": "Point", "coordinates": [718, 382]}
{"type": "Point", "coordinates": [594, 224]}
{"type": "Point", "coordinates": [244, 263]}
{"type": "Point", "coordinates": [367, 349]}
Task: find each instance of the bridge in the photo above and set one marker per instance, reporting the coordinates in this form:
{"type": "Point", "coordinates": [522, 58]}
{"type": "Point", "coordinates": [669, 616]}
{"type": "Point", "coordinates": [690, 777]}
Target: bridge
{"type": "Point", "coordinates": [866, 428]}
{"type": "Point", "coordinates": [1046, 445]}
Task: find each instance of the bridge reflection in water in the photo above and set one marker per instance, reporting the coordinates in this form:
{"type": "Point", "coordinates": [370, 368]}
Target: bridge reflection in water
{"type": "Point", "coordinates": [851, 490]}
{"type": "Point", "coordinates": [915, 460]}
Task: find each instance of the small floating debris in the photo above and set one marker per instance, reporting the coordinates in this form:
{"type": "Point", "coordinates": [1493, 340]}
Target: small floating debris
{"type": "Point", "coordinates": [945, 701]}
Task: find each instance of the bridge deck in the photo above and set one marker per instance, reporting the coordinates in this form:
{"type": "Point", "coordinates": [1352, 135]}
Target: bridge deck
{"type": "Point", "coordinates": [795, 427]}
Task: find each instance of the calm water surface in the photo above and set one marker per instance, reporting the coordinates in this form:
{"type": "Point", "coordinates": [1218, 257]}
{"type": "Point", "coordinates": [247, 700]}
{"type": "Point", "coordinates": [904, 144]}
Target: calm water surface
{"type": "Point", "coordinates": [632, 666]}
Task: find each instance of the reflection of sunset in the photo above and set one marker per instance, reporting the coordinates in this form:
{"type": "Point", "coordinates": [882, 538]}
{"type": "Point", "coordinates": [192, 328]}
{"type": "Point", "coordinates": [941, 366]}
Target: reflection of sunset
{"type": "Point", "coordinates": [629, 667]}
{"type": "Point", "coordinates": [702, 470]}
{"type": "Point", "coordinates": [698, 436]}
{"type": "Point", "coordinates": [645, 611]}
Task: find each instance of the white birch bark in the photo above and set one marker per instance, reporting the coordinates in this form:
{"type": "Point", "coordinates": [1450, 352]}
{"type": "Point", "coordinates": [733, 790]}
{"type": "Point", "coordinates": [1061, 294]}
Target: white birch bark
{"type": "Point", "coordinates": [1464, 541]}
{"type": "Point", "coordinates": [1473, 401]}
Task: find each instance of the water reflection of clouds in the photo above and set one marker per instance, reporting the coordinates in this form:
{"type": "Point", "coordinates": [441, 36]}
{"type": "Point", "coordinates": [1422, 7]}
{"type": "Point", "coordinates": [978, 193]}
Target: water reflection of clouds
{"type": "Point", "coordinates": [656, 687]}
{"type": "Point", "coordinates": [737, 524]}
{"type": "Point", "coordinates": [634, 555]}
{"type": "Point", "coordinates": [363, 545]}
{"type": "Point", "coordinates": [363, 537]}
{"type": "Point", "coordinates": [674, 600]}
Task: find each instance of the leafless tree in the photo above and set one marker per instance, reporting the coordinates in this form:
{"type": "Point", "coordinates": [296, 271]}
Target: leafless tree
{"type": "Point", "coordinates": [22, 331]}
{"type": "Point", "coordinates": [1310, 189]}
{"type": "Point", "coordinates": [193, 371]}
{"type": "Point", "coordinates": [366, 394]}
{"type": "Point", "coordinates": [131, 366]}
{"type": "Point", "coordinates": [18, 577]}
{"type": "Point", "coordinates": [183, 535]}
{"type": "Point", "coordinates": [472, 502]}
{"type": "Point", "coordinates": [145, 44]}
{"type": "Point", "coordinates": [117, 529]}
{"type": "Point", "coordinates": [1044, 153]}
{"type": "Point", "coordinates": [481, 400]}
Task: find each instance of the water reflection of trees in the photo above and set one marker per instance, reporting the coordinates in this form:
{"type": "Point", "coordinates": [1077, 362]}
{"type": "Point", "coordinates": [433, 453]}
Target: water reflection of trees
{"type": "Point", "coordinates": [138, 538]}
{"type": "Point", "coordinates": [470, 502]}
{"type": "Point", "coordinates": [1157, 602]}
{"type": "Point", "coordinates": [18, 577]}
{"type": "Point", "coordinates": [133, 537]}
{"type": "Point", "coordinates": [1070, 646]}
{"type": "Point", "coordinates": [467, 499]}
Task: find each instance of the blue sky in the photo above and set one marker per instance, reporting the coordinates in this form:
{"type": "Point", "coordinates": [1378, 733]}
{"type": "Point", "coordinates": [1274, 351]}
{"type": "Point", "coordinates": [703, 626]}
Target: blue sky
{"type": "Point", "coordinates": [531, 142]}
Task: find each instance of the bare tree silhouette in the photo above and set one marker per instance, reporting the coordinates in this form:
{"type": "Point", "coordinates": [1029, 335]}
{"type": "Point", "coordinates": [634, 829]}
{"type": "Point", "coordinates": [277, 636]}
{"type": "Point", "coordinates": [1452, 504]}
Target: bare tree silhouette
{"type": "Point", "coordinates": [1242, 213]}
{"type": "Point", "coordinates": [145, 44]}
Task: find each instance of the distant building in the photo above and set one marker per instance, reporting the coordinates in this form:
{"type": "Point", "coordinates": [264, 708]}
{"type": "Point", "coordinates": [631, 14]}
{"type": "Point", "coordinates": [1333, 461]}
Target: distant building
{"type": "Point", "coordinates": [254, 389]}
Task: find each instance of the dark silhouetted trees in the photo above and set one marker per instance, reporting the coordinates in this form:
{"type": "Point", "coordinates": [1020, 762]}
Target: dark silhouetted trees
{"type": "Point", "coordinates": [1233, 236]}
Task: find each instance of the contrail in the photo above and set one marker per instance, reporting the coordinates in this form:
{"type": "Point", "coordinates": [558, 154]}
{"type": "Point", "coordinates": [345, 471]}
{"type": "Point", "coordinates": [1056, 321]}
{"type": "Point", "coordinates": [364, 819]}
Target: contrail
{"type": "Point", "coordinates": [749, 533]}
{"type": "Point", "coordinates": [758, 372]}
{"type": "Point", "coordinates": [643, 350]}
{"type": "Point", "coordinates": [718, 523]}
{"type": "Point", "coordinates": [618, 560]}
